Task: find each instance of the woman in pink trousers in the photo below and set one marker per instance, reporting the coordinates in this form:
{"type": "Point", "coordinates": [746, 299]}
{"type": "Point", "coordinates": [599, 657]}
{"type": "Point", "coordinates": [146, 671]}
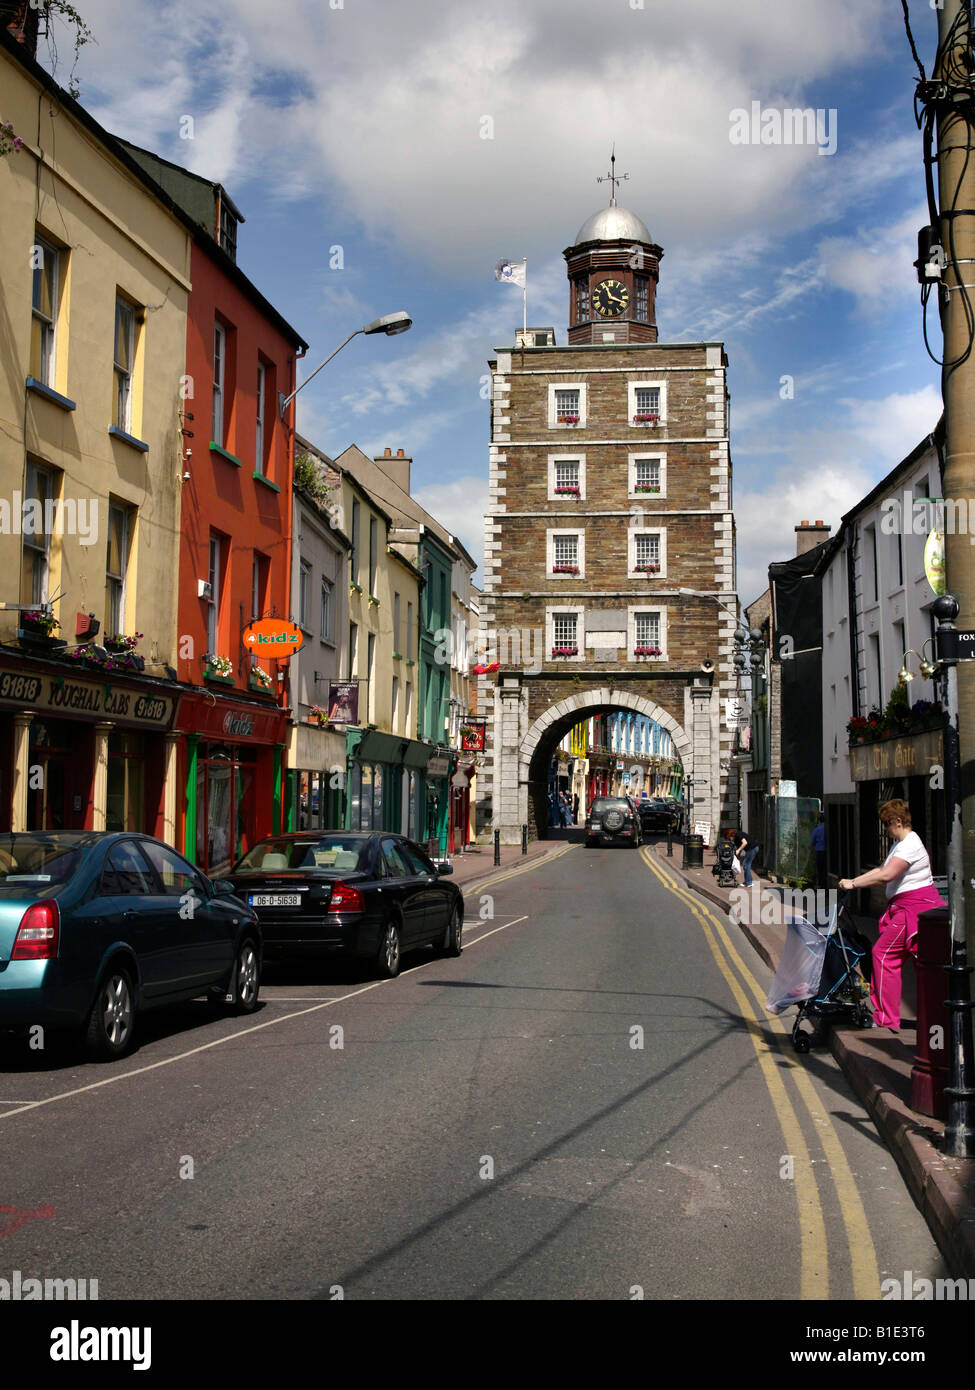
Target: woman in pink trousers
{"type": "Point", "coordinates": [910, 890]}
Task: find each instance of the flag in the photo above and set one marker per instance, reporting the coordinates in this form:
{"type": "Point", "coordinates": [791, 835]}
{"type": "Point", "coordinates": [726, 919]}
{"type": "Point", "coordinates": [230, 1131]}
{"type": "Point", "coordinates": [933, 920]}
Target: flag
{"type": "Point", "coordinates": [511, 271]}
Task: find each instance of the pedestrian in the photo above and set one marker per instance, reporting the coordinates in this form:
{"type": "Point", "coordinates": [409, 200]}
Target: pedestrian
{"type": "Point", "coordinates": [910, 890]}
{"type": "Point", "coordinates": [575, 809]}
{"type": "Point", "coordinates": [819, 845]}
{"type": "Point", "coordinates": [746, 852]}
{"type": "Point", "coordinates": [566, 811]}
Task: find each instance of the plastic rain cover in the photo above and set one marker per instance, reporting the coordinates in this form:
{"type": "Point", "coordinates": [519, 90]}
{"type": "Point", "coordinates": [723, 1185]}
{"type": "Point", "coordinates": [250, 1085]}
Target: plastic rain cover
{"type": "Point", "coordinates": [798, 975]}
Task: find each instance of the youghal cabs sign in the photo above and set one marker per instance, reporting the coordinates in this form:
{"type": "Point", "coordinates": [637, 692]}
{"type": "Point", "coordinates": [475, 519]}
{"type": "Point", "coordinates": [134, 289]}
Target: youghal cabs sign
{"type": "Point", "coordinates": [896, 757]}
{"type": "Point", "coordinates": [92, 699]}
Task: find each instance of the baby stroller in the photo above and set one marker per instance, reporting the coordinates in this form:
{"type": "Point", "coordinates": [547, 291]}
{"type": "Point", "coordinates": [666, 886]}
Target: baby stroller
{"type": "Point", "coordinates": [724, 869]}
{"type": "Point", "coordinates": [822, 973]}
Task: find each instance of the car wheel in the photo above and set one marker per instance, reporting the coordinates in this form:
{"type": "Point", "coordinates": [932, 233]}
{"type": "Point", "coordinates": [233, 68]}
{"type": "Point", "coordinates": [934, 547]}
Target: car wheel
{"type": "Point", "coordinates": [111, 1022]}
{"type": "Point", "coordinates": [388, 959]}
{"type": "Point", "coordinates": [245, 984]}
{"type": "Point", "coordinates": [589, 842]}
{"type": "Point", "coordinates": [453, 937]}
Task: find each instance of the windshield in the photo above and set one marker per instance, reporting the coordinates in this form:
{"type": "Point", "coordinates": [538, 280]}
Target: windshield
{"type": "Point", "coordinates": [605, 803]}
{"type": "Point", "coordinates": [37, 858]}
{"type": "Point", "coordinates": [339, 853]}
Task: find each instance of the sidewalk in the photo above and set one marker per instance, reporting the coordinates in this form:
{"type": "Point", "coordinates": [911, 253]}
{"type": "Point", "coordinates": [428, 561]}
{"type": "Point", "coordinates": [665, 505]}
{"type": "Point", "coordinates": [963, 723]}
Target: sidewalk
{"type": "Point", "coordinates": [476, 864]}
{"type": "Point", "coordinates": [878, 1063]}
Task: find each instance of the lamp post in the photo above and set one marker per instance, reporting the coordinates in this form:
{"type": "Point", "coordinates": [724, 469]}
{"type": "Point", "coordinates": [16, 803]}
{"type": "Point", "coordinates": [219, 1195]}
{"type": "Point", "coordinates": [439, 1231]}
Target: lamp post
{"type": "Point", "coordinates": [390, 324]}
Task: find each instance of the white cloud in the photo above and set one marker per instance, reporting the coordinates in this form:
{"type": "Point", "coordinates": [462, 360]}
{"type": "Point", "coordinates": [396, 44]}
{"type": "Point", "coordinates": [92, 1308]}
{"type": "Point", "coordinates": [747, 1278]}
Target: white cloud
{"type": "Point", "coordinates": [459, 506]}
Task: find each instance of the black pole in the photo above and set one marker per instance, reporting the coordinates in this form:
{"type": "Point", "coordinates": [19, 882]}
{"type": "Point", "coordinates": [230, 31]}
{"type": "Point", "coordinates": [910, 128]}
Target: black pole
{"type": "Point", "coordinates": [960, 1125]}
{"type": "Point", "coordinates": [497, 847]}
{"type": "Point", "coordinates": [524, 839]}
{"type": "Point", "coordinates": [670, 839]}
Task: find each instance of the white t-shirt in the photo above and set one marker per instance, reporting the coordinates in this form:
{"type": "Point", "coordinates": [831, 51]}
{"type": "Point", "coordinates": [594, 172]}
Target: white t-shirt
{"type": "Point", "coordinates": [918, 871]}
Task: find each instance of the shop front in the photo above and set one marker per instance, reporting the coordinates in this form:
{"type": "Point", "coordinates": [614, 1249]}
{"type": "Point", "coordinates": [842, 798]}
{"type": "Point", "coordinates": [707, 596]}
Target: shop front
{"type": "Point", "coordinates": [895, 767]}
{"type": "Point", "coordinates": [315, 783]}
{"type": "Point", "coordinates": [231, 770]}
{"type": "Point", "coordinates": [439, 770]}
{"type": "Point", "coordinates": [460, 832]}
{"type": "Point", "coordinates": [84, 751]}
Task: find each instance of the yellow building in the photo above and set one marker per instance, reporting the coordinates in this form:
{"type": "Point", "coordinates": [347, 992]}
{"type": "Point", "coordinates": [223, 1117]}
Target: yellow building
{"type": "Point", "coordinates": [93, 287]}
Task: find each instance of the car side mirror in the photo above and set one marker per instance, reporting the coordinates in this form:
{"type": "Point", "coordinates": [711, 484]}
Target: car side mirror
{"type": "Point", "coordinates": [221, 888]}
{"type": "Point", "coordinates": [443, 867]}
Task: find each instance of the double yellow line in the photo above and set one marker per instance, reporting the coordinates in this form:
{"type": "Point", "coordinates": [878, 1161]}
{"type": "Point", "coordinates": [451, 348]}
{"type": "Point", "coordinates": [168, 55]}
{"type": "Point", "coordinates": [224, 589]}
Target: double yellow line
{"type": "Point", "coordinates": [814, 1258]}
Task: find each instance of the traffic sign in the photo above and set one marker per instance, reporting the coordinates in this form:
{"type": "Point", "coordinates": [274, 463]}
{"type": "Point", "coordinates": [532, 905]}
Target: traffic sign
{"type": "Point", "coordinates": [957, 644]}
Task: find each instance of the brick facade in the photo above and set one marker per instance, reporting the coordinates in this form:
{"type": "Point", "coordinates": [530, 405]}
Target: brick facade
{"type": "Point", "coordinates": [532, 701]}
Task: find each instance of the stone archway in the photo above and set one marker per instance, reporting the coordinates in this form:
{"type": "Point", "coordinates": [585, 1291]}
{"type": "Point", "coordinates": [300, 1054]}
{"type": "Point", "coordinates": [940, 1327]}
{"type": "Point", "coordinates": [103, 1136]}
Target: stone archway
{"type": "Point", "coordinates": [550, 727]}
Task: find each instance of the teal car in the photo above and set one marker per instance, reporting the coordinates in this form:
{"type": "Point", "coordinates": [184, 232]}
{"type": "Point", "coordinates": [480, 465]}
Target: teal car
{"type": "Point", "coordinates": [96, 927]}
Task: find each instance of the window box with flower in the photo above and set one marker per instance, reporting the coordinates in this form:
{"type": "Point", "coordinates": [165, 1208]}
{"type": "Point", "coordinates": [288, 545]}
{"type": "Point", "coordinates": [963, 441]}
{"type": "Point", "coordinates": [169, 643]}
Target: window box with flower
{"type": "Point", "coordinates": [647, 487]}
{"type": "Point", "coordinates": [121, 648]}
{"type": "Point", "coordinates": [38, 623]}
{"type": "Point", "coordinates": [567, 490]}
{"type": "Point", "coordinates": [648, 651]}
{"type": "Point", "coordinates": [646, 417]}
{"type": "Point", "coordinates": [651, 567]}
{"type": "Point", "coordinates": [565, 651]}
{"type": "Point", "coordinates": [566, 419]}
{"type": "Point", "coordinates": [260, 681]}
{"type": "Point", "coordinates": [565, 569]}
{"type": "Point", "coordinates": [318, 715]}
{"type": "Point", "coordinates": [218, 668]}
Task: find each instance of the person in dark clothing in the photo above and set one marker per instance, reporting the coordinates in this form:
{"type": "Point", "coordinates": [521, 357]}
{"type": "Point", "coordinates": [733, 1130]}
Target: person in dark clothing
{"type": "Point", "coordinates": [819, 845]}
{"type": "Point", "coordinates": [575, 809]}
{"type": "Point", "coordinates": [746, 852]}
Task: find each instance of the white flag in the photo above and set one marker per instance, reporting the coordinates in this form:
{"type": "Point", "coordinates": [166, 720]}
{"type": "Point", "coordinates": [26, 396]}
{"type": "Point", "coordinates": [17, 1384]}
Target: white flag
{"type": "Point", "coordinates": [511, 271]}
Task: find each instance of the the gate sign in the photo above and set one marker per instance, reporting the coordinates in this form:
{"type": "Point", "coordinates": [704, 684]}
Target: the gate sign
{"type": "Point", "coordinates": [277, 638]}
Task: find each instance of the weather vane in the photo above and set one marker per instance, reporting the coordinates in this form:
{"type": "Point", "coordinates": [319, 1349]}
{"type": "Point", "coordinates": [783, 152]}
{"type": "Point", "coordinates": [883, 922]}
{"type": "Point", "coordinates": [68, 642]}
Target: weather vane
{"type": "Point", "coordinates": [612, 177]}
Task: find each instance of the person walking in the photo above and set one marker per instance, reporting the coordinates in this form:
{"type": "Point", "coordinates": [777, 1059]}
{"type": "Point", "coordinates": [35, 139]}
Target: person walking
{"type": "Point", "coordinates": [575, 809]}
{"type": "Point", "coordinates": [818, 843]}
{"type": "Point", "coordinates": [746, 852]}
{"type": "Point", "coordinates": [910, 890]}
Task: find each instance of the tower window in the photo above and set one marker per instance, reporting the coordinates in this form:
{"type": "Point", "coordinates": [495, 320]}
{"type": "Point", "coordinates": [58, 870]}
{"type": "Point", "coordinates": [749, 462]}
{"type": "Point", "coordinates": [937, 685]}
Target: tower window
{"type": "Point", "coordinates": [582, 301]}
{"type": "Point", "coordinates": [641, 305]}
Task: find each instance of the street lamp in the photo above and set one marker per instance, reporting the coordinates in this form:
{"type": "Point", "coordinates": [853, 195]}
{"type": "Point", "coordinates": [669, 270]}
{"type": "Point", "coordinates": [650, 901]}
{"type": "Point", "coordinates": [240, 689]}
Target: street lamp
{"type": "Point", "coordinates": [390, 324]}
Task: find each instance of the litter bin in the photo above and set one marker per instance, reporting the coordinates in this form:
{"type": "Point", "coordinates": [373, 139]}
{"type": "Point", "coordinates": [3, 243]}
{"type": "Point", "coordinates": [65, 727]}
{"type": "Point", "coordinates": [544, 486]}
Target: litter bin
{"type": "Point", "coordinates": [693, 852]}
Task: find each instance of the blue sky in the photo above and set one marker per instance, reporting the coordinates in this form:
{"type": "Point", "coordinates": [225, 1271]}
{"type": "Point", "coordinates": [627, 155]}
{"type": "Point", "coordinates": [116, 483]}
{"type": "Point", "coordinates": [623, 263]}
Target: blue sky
{"type": "Point", "coordinates": [358, 123]}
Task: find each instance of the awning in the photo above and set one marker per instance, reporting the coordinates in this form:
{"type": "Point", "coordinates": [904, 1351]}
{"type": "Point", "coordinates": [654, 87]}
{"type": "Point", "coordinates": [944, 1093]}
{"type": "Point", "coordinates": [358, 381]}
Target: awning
{"type": "Point", "coordinates": [376, 747]}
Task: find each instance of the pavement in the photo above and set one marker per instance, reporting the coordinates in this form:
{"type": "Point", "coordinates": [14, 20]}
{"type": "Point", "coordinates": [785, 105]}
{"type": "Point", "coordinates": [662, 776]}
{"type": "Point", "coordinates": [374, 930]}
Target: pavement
{"type": "Point", "coordinates": [877, 1062]}
{"type": "Point", "coordinates": [476, 864]}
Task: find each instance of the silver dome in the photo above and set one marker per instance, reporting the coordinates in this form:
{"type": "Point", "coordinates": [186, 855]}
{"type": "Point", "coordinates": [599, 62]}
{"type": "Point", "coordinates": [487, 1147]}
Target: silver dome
{"type": "Point", "coordinates": [613, 224]}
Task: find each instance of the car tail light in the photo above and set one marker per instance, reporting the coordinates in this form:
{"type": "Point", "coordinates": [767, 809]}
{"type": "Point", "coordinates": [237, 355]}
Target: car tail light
{"type": "Point", "coordinates": [345, 898]}
{"type": "Point", "coordinates": [37, 935]}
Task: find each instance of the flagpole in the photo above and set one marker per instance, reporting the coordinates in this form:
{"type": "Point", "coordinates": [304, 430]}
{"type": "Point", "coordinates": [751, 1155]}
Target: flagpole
{"type": "Point", "coordinates": [524, 298]}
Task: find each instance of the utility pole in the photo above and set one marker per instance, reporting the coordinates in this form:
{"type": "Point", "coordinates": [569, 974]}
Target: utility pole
{"type": "Point", "coordinates": [956, 200]}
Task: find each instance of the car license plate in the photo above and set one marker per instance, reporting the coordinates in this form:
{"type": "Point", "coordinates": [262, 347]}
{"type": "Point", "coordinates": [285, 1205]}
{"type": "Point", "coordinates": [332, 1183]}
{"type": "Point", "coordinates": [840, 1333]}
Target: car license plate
{"type": "Point", "coordinates": [274, 899]}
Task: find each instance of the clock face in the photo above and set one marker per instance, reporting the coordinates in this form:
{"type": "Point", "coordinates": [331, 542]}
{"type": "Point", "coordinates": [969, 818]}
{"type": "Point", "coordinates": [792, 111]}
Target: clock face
{"type": "Point", "coordinates": [610, 298]}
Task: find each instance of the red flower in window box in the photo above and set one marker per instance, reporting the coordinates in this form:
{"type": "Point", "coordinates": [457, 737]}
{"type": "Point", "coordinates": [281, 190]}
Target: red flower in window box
{"type": "Point", "coordinates": [565, 569]}
{"type": "Point", "coordinates": [651, 568]}
{"type": "Point", "coordinates": [567, 419]}
{"type": "Point", "coordinates": [647, 487]}
{"type": "Point", "coordinates": [565, 651]}
{"type": "Point", "coordinates": [567, 490]}
{"type": "Point", "coordinates": [646, 417]}
{"type": "Point", "coordinates": [647, 651]}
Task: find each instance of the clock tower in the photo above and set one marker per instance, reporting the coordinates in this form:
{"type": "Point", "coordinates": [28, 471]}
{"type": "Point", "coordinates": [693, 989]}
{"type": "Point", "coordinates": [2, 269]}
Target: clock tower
{"type": "Point", "coordinates": [613, 267]}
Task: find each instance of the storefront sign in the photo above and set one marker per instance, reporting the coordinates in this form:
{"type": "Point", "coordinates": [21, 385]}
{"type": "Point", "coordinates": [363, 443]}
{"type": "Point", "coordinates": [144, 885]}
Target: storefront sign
{"type": "Point", "coordinates": [343, 702]}
{"type": "Point", "coordinates": [704, 828]}
{"type": "Point", "coordinates": [276, 638]}
{"type": "Point", "coordinates": [235, 721]}
{"type": "Point", "coordinates": [934, 562]}
{"type": "Point", "coordinates": [472, 735]}
{"type": "Point", "coordinates": [437, 767]}
{"type": "Point", "coordinates": [735, 713]}
{"type": "Point", "coordinates": [93, 699]}
{"type": "Point", "coordinates": [896, 757]}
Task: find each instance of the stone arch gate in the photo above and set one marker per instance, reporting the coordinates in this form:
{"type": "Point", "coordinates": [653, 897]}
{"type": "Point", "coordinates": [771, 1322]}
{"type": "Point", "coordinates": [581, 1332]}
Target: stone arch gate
{"type": "Point", "coordinates": [532, 715]}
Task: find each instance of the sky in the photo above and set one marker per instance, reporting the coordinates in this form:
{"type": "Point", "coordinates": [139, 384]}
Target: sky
{"type": "Point", "coordinates": [387, 153]}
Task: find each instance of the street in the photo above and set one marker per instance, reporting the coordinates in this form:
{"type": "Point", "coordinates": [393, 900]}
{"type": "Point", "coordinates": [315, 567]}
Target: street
{"type": "Point", "coordinates": [590, 1103]}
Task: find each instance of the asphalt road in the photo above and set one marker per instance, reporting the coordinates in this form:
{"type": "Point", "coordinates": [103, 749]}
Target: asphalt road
{"type": "Point", "coordinates": [589, 1104]}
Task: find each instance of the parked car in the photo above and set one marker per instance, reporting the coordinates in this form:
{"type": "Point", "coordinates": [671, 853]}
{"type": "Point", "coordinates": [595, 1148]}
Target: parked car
{"type": "Point", "coordinates": [656, 816]}
{"type": "Point", "coordinates": [677, 807]}
{"type": "Point", "coordinates": [360, 894]}
{"type": "Point", "coordinates": [96, 927]}
{"type": "Point", "coordinates": [613, 818]}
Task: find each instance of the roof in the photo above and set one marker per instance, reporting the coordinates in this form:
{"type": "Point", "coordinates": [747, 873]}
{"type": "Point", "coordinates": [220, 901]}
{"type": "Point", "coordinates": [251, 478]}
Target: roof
{"type": "Point", "coordinates": [613, 224]}
{"type": "Point", "coordinates": [934, 440]}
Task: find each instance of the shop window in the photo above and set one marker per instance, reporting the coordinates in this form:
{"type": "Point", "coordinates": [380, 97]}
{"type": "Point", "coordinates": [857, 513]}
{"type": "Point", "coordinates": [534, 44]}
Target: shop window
{"type": "Point", "coordinates": [125, 807]}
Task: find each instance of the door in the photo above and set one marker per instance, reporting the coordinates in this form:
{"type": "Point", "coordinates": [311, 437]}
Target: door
{"type": "Point", "coordinates": [199, 939]}
{"type": "Point", "coordinates": [407, 891]}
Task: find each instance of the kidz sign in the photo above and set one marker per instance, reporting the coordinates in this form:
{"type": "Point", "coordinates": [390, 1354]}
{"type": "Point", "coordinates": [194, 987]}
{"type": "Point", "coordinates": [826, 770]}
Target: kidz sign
{"type": "Point", "coordinates": [273, 637]}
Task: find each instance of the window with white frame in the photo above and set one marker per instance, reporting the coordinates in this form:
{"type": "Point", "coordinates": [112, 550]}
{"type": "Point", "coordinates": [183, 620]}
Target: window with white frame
{"type": "Point", "coordinates": [566, 404]}
{"type": "Point", "coordinates": [565, 553]}
{"type": "Point", "coordinates": [115, 566]}
{"type": "Point", "coordinates": [647, 402]}
{"type": "Point", "coordinates": [40, 486]}
{"type": "Point", "coordinates": [326, 623]}
{"type": "Point", "coordinates": [124, 363]}
{"type": "Point", "coordinates": [213, 602]}
{"type": "Point", "coordinates": [647, 475]}
{"type": "Point", "coordinates": [261, 395]}
{"type": "Point", "coordinates": [304, 582]}
{"type": "Point", "coordinates": [646, 634]}
{"type": "Point", "coordinates": [395, 719]}
{"type": "Point", "coordinates": [44, 309]}
{"type": "Point", "coordinates": [219, 376]}
{"type": "Point", "coordinates": [566, 476]}
{"type": "Point", "coordinates": [647, 552]}
{"type": "Point", "coordinates": [565, 632]}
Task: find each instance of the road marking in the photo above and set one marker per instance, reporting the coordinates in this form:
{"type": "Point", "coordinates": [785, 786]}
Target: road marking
{"type": "Point", "coordinates": [813, 1258]}
{"type": "Point", "coordinates": [863, 1258]}
{"type": "Point", "coordinates": [241, 1033]}
{"type": "Point", "coordinates": [522, 869]}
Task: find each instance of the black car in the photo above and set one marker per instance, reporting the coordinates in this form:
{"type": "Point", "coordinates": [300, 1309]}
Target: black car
{"type": "Point", "coordinates": [371, 895]}
{"type": "Point", "coordinates": [613, 818]}
{"type": "Point", "coordinates": [97, 926]}
{"type": "Point", "coordinates": [657, 816]}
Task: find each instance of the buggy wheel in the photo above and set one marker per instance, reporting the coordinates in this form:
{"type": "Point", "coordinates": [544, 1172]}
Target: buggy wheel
{"type": "Point", "coordinates": [801, 1042]}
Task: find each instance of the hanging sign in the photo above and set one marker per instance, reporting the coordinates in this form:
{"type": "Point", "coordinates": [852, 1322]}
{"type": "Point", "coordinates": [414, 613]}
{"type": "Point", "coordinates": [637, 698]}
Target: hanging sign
{"type": "Point", "coordinates": [934, 562]}
{"type": "Point", "coordinates": [277, 638]}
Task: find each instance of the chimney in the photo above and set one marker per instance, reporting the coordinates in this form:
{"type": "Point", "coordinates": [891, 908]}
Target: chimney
{"type": "Point", "coordinates": [397, 468]}
{"type": "Point", "coordinates": [810, 534]}
{"type": "Point", "coordinates": [21, 21]}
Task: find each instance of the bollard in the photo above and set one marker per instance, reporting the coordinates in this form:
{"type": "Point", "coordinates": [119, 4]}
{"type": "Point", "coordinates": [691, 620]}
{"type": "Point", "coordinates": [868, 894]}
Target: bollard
{"type": "Point", "coordinates": [693, 852]}
{"type": "Point", "coordinates": [670, 840]}
{"type": "Point", "coordinates": [929, 1075]}
{"type": "Point", "coordinates": [524, 839]}
{"type": "Point", "coordinates": [497, 847]}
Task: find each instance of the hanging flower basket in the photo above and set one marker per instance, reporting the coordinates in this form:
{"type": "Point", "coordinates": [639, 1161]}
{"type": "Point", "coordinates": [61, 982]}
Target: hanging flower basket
{"type": "Point", "coordinates": [38, 623]}
{"type": "Point", "coordinates": [121, 643]}
{"type": "Point", "coordinates": [89, 654]}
